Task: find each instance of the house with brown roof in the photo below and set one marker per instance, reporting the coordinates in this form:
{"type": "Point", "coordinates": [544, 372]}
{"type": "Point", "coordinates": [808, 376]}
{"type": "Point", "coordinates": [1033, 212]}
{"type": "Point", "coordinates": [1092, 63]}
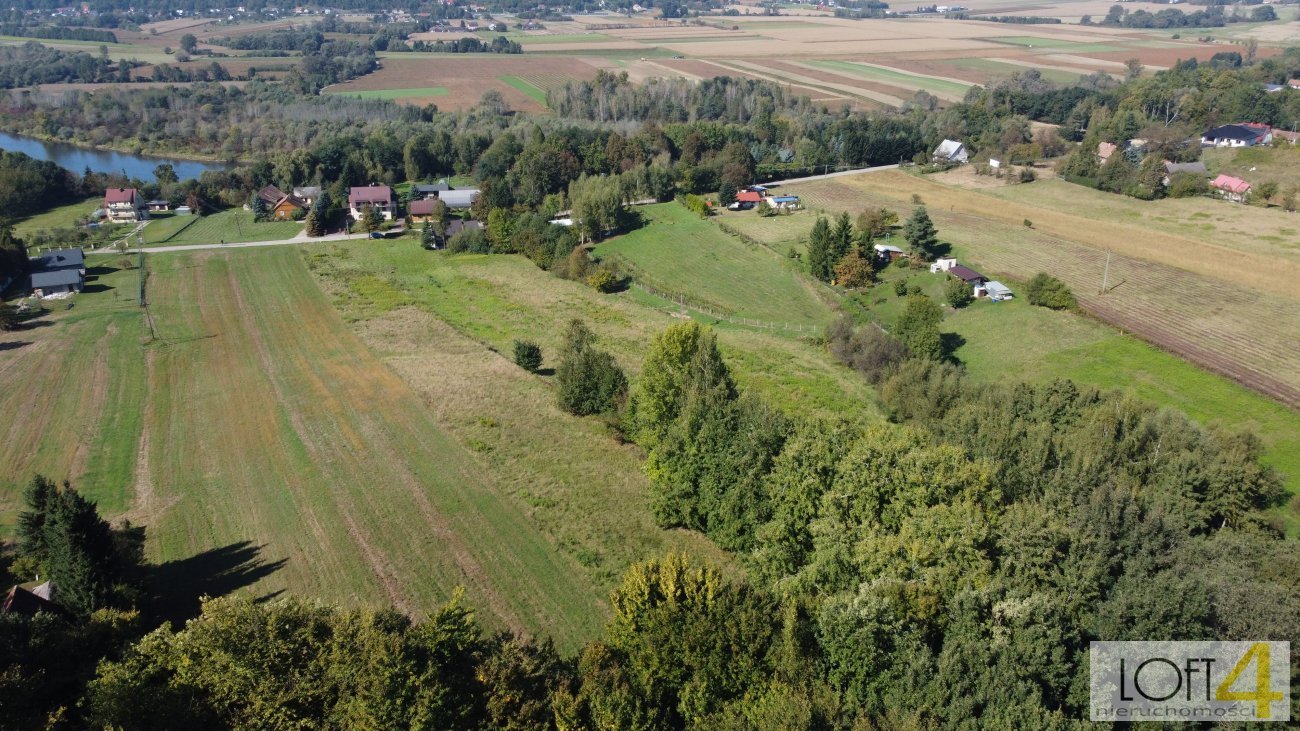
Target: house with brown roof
{"type": "Point", "coordinates": [378, 197]}
{"type": "Point", "coordinates": [421, 210]}
{"type": "Point", "coordinates": [124, 205]}
{"type": "Point", "coordinates": [281, 206]}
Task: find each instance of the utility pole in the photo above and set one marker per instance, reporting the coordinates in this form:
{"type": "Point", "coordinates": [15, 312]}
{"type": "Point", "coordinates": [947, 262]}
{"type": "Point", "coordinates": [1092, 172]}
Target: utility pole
{"type": "Point", "coordinates": [140, 267]}
{"type": "Point", "coordinates": [1105, 277]}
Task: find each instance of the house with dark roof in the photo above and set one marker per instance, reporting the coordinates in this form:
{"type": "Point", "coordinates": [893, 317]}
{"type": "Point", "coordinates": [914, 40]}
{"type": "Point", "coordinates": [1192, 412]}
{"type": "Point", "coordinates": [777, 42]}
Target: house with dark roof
{"type": "Point", "coordinates": [378, 197]}
{"type": "Point", "coordinates": [1245, 134]}
{"type": "Point", "coordinates": [58, 271]}
{"type": "Point", "coordinates": [1191, 168]}
{"type": "Point", "coordinates": [159, 205]}
{"type": "Point", "coordinates": [30, 602]}
{"type": "Point", "coordinates": [967, 275]}
{"type": "Point", "coordinates": [124, 205]}
{"type": "Point", "coordinates": [429, 190]}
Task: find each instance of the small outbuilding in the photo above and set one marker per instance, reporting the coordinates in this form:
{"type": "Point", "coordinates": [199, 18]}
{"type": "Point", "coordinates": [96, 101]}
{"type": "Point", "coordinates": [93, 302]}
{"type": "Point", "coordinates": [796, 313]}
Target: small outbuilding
{"type": "Point", "coordinates": [885, 252]}
{"type": "Point", "coordinates": [995, 291]}
{"type": "Point", "coordinates": [966, 274]}
{"type": "Point", "coordinates": [943, 264]}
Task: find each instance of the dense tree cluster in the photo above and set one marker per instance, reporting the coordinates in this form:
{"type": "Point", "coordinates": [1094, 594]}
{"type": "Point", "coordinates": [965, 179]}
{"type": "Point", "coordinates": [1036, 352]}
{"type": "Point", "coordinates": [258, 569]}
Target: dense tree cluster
{"type": "Point", "coordinates": [1212, 17]}
{"type": "Point", "coordinates": [57, 32]}
{"type": "Point", "coordinates": [32, 63]}
{"type": "Point", "coordinates": [499, 44]}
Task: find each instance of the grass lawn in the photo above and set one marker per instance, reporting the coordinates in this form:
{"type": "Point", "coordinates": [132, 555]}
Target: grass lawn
{"type": "Point", "coordinates": [60, 217]}
{"type": "Point", "coordinates": [536, 94]}
{"type": "Point", "coordinates": [394, 93]}
{"type": "Point", "coordinates": [229, 226]}
{"type": "Point", "coordinates": [680, 253]}
{"type": "Point", "coordinates": [74, 386]}
{"type": "Point", "coordinates": [162, 227]}
{"type": "Point", "coordinates": [896, 77]}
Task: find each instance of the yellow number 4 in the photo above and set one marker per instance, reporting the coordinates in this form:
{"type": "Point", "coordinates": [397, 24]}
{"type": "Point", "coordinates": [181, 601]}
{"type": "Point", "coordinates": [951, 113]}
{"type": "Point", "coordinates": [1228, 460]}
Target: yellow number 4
{"type": "Point", "coordinates": [1263, 694]}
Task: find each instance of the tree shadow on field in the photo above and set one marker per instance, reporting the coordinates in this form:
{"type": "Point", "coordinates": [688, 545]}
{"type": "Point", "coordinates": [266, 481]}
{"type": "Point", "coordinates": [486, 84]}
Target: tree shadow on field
{"type": "Point", "coordinates": [951, 342]}
{"type": "Point", "coordinates": [180, 585]}
{"type": "Point", "coordinates": [14, 344]}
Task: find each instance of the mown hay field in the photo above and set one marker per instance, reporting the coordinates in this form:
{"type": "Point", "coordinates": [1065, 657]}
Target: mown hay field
{"type": "Point", "coordinates": [461, 79]}
{"type": "Point", "coordinates": [1227, 311]}
{"type": "Point", "coordinates": [679, 253]}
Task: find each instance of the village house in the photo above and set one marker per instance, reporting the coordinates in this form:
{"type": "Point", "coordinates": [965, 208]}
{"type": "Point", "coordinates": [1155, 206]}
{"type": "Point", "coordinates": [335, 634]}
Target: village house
{"type": "Point", "coordinates": [422, 210]}
{"type": "Point", "coordinates": [1245, 134]}
{"type": "Point", "coordinates": [159, 205]}
{"type": "Point", "coordinates": [951, 151]}
{"type": "Point", "coordinates": [124, 205]}
{"type": "Point", "coordinates": [429, 190]}
{"type": "Point", "coordinates": [58, 271]}
{"type": "Point", "coordinates": [280, 205]}
{"type": "Point", "coordinates": [1105, 150]}
{"type": "Point", "coordinates": [307, 194]}
{"type": "Point", "coordinates": [378, 197]}
{"type": "Point", "coordinates": [1195, 168]}
{"type": "Point", "coordinates": [1233, 189]}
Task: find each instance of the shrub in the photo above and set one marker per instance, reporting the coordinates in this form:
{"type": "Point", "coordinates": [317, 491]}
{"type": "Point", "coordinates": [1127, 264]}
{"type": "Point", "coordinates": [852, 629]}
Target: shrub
{"type": "Point", "coordinates": [469, 241]}
{"type": "Point", "coordinates": [603, 279]}
{"type": "Point", "coordinates": [589, 380]}
{"type": "Point", "coordinates": [957, 293]}
{"type": "Point", "coordinates": [900, 287]}
{"type": "Point", "coordinates": [853, 271]}
{"type": "Point", "coordinates": [1028, 223]}
{"type": "Point", "coordinates": [1047, 291]}
{"type": "Point", "coordinates": [528, 355]}
{"type": "Point", "coordinates": [868, 350]}
{"type": "Point", "coordinates": [1187, 185]}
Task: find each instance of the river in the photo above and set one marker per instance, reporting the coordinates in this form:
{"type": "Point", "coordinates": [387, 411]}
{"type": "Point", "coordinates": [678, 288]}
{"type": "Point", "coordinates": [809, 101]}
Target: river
{"type": "Point", "coordinates": [77, 159]}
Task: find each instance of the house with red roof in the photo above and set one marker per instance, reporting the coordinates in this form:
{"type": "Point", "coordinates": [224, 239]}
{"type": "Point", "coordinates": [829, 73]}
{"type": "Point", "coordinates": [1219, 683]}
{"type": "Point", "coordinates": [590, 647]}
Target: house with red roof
{"type": "Point", "coordinates": [1233, 189]}
{"type": "Point", "coordinates": [124, 204]}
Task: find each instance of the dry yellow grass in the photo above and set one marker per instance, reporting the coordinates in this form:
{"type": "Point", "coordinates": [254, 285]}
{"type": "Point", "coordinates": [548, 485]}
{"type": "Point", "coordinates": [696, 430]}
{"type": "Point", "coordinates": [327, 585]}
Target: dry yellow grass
{"type": "Point", "coordinates": [1253, 269]}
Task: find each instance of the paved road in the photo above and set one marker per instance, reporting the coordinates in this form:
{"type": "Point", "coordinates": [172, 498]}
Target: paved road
{"type": "Point", "coordinates": [237, 245]}
{"type": "Point", "coordinates": [826, 176]}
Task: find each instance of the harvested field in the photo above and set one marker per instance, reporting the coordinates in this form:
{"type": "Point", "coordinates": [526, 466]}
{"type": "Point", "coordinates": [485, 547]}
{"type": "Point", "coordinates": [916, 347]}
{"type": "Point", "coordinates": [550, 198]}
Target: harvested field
{"type": "Point", "coordinates": [1231, 313]}
{"type": "Point", "coordinates": [326, 462]}
{"type": "Point", "coordinates": [944, 88]}
{"type": "Point", "coordinates": [465, 78]}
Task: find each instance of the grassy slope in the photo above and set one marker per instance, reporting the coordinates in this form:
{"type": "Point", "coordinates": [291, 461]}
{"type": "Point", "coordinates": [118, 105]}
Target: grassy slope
{"type": "Point", "coordinates": [162, 228]}
{"type": "Point", "coordinates": [680, 253]}
{"type": "Point", "coordinates": [231, 225]}
{"type": "Point", "coordinates": [1258, 165]}
{"type": "Point", "coordinates": [60, 217]}
{"type": "Point", "coordinates": [495, 300]}
{"type": "Point", "coordinates": [271, 423]}
{"type": "Point", "coordinates": [74, 387]}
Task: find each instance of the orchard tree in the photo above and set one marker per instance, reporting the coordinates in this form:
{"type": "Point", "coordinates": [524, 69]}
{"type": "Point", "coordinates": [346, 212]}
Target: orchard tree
{"type": "Point", "coordinates": [918, 327]}
{"type": "Point", "coordinates": [854, 270]}
{"type": "Point", "coordinates": [957, 293]}
{"type": "Point", "coordinates": [589, 380]}
{"type": "Point", "coordinates": [371, 219]}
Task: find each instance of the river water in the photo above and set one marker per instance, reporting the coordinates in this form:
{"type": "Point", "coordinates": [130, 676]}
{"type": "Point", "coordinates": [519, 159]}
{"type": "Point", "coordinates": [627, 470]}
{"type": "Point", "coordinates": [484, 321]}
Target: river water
{"type": "Point", "coordinates": [77, 159]}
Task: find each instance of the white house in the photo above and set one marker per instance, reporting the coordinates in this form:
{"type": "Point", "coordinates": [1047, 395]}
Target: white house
{"type": "Point", "coordinates": [1246, 134]}
{"type": "Point", "coordinates": [951, 151]}
{"type": "Point", "coordinates": [124, 204]}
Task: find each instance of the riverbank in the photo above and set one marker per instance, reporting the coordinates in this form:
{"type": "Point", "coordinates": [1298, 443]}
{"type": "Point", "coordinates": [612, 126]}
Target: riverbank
{"type": "Point", "coordinates": [131, 159]}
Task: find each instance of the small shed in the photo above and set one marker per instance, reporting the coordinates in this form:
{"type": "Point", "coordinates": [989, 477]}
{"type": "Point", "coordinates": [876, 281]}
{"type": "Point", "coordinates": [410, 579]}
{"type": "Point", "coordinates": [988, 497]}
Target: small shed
{"type": "Point", "coordinates": [784, 201]}
{"type": "Point", "coordinates": [995, 291]}
{"type": "Point", "coordinates": [158, 205]}
{"type": "Point", "coordinates": [943, 264]}
{"type": "Point", "coordinates": [885, 252]}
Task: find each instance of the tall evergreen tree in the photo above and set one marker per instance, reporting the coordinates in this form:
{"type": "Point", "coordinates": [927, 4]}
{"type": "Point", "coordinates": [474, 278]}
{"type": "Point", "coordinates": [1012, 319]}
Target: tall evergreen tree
{"type": "Point", "coordinates": [820, 263]}
{"type": "Point", "coordinates": [841, 241]}
{"type": "Point", "coordinates": [63, 533]}
{"type": "Point", "coordinates": [921, 235]}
